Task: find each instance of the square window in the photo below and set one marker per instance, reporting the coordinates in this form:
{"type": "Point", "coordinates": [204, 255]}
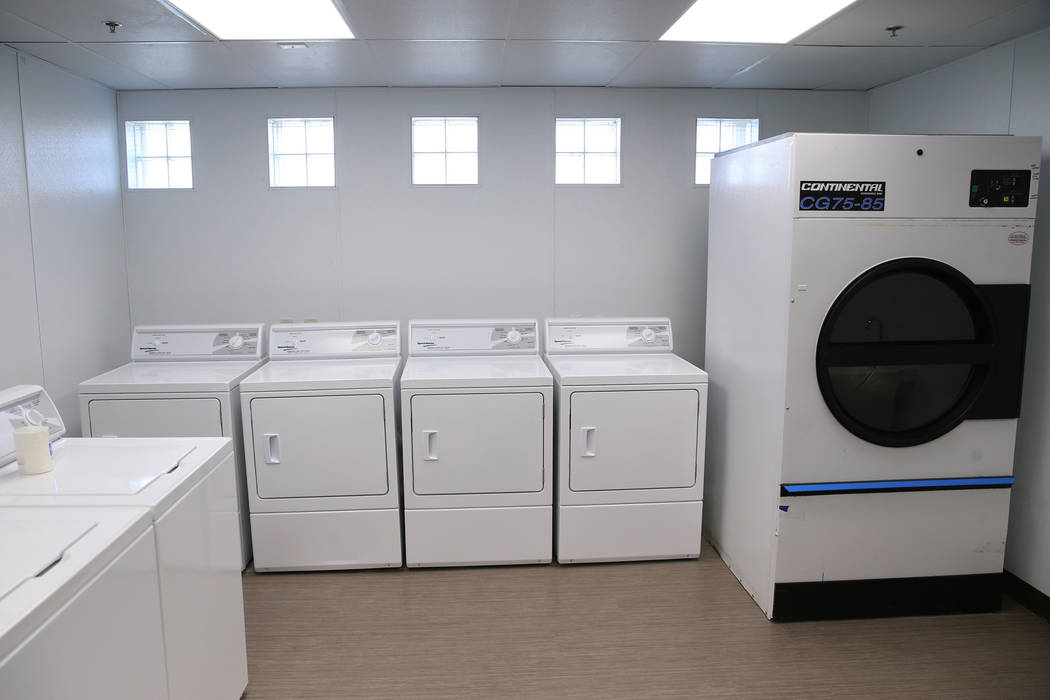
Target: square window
{"type": "Point", "coordinates": [444, 150]}
{"type": "Point", "coordinates": [159, 155]}
{"type": "Point", "coordinates": [587, 151]}
{"type": "Point", "coordinates": [302, 152]}
{"type": "Point", "coordinates": [717, 135]}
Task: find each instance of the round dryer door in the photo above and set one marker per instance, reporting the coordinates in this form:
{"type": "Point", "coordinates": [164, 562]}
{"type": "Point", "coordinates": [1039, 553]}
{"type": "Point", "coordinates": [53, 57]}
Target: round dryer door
{"type": "Point", "coordinates": [905, 351]}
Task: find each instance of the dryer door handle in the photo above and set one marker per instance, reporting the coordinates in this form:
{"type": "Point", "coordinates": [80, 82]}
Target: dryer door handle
{"type": "Point", "coordinates": [590, 435]}
{"type": "Point", "coordinates": [273, 448]}
{"type": "Point", "coordinates": [430, 445]}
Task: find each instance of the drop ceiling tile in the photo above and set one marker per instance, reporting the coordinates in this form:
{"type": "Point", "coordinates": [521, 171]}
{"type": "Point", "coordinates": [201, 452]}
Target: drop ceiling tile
{"type": "Point", "coordinates": [596, 20]}
{"type": "Point", "coordinates": [1023, 19]}
{"type": "Point", "coordinates": [319, 64]}
{"type": "Point", "coordinates": [82, 20]}
{"type": "Point", "coordinates": [923, 22]}
{"type": "Point", "coordinates": [567, 62]}
{"type": "Point", "coordinates": [13, 28]}
{"type": "Point", "coordinates": [678, 64]}
{"type": "Point", "coordinates": [81, 61]}
{"type": "Point", "coordinates": [429, 19]}
{"type": "Point", "coordinates": [186, 65]}
{"type": "Point", "coordinates": [439, 63]}
{"type": "Point", "coordinates": [842, 67]}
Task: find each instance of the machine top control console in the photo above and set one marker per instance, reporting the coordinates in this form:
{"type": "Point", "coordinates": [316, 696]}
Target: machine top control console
{"type": "Point", "coordinates": [604, 335]}
{"type": "Point", "coordinates": [474, 337]}
{"type": "Point", "coordinates": [1000, 188]}
{"type": "Point", "coordinates": [334, 340]}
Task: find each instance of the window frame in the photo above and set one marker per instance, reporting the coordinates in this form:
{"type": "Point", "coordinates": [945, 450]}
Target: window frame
{"type": "Point", "coordinates": [619, 153]}
{"type": "Point", "coordinates": [696, 128]}
{"type": "Point", "coordinates": [412, 151]}
{"type": "Point", "coordinates": [269, 155]}
{"type": "Point", "coordinates": [126, 175]}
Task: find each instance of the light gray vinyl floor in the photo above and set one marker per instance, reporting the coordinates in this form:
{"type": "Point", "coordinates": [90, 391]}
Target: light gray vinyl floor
{"type": "Point", "coordinates": [682, 629]}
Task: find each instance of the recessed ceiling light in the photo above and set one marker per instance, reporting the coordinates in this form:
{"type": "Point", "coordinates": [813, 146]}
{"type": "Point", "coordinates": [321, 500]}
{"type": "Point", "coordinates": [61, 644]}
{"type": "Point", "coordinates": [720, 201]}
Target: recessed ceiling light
{"type": "Point", "coordinates": [267, 19]}
{"type": "Point", "coordinates": [753, 22]}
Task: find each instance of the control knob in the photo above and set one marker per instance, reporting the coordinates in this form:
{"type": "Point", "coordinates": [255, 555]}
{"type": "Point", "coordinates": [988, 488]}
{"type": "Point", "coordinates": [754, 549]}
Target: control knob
{"type": "Point", "coordinates": [236, 341]}
{"type": "Point", "coordinates": [374, 338]}
{"type": "Point", "coordinates": [513, 336]}
{"type": "Point", "coordinates": [648, 335]}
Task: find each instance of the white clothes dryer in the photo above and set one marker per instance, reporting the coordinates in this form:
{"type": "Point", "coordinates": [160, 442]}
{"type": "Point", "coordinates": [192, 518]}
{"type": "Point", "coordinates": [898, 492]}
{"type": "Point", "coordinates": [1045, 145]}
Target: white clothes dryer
{"type": "Point", "coordinates": [182, 381]}
{"type": "Point", "coordinates": [476, 417]}
{"type": "Point", "coordinates": [320, 429]}
{"type": "Point", "coordinates": [79, 605]}
{"type": "Point", "coordinates": [867, 314]}
{"type": "Point", "coordinates": [631, 418]}
{"type": "Point", "coordinates": [188, 487]}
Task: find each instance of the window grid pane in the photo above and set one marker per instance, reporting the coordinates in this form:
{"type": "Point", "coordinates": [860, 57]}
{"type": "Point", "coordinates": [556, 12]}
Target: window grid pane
{"type": "Point", "coordinates": [302, 152]}
{"type": "Point", "coordinates": [587, 151]}
{"type": "Point", "coordinates": [717, 135]}
{"type": "Point", "coordinates": [158, 154]}
{"type": "Point", "coordinates": [444, 150]}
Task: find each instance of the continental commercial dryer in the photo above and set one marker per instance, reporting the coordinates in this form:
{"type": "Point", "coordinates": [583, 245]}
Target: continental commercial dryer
{"type": "Point", "coordinates": [182, 381]}
{"type": "Point", "coordinates": [320, 429]}
{"type": "Point", "coordinates": [866, 323]}
{"type": "Point", "coordinates": [477, 434]}
{"type": "Point", "coordinates": [189, 490]}
{"type": "Point", "coordinates": [631, 417]}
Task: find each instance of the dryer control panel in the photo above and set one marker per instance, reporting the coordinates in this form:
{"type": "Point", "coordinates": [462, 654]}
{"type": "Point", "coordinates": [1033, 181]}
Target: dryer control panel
{"type": "Point", "coordinates": [233, 342]}
{"type": "Point", "coordinates": [1000, 188]}
{"type": "Point", "coordinates": [499, 337]}
{"type": "Point", "coordinates": [600, 335]}
{"type": "Point", "coordinates": [320, 341]}
{"type": "Point", "coordinates": [21, 406]}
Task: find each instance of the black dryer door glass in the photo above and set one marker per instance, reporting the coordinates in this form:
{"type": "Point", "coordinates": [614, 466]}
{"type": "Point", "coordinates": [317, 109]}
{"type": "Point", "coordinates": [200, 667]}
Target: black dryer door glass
{"type": "Point", "coordinates": [904, 351]}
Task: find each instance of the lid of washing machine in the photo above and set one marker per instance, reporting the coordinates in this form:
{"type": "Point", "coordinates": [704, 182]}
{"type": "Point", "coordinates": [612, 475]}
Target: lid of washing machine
{"type": "Point", "coordinates": [170, 377]}
{"type": "Point", "coordinates": [480, 371]}
{"type": "Point", "coordinates": [664, 368]}
{"type": "Point", "coordinates": [87, 467]}
{"type": "Point", "coordinates": [49, 554]}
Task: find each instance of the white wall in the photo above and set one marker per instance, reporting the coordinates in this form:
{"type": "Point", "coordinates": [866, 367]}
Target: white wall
{"type": "Point", "coordinates": [65, 316]}
{"type": "Point", "coordinates": [1004, 89]}
{"type": "Point", "coordinates": [19, 329]}
{"type": "Point", "coordinates": [376, 246]}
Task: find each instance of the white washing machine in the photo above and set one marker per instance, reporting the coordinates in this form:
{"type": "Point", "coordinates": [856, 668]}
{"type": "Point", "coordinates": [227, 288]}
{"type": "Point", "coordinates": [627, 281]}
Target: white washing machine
{"type": "Point", "coordinates": [182, 381]}
{"type": "Point", "coordinates": [79, 605]}
{"type": "Point", "coordinates": [867, 313]}
{"type": "Point", "coordinates": [320, 427]}
{"type": "Point", "coordinates": [476, 424]}
{"type": "Point", "coordinates": [188, 487]}
{"type": "Point", "coordinates": [631, 418]}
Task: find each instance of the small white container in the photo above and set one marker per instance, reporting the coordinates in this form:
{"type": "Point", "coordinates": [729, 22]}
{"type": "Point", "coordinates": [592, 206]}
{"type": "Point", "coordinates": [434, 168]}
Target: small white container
{"type": "Point", "coordinates": [33, 449]}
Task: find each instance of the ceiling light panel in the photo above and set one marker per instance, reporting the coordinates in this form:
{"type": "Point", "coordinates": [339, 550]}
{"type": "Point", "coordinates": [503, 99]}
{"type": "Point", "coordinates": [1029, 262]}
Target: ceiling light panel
{"type": "Point", "coordinates": [277, 20]}
{"type": "Point", "coordinates": [753, 22]}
